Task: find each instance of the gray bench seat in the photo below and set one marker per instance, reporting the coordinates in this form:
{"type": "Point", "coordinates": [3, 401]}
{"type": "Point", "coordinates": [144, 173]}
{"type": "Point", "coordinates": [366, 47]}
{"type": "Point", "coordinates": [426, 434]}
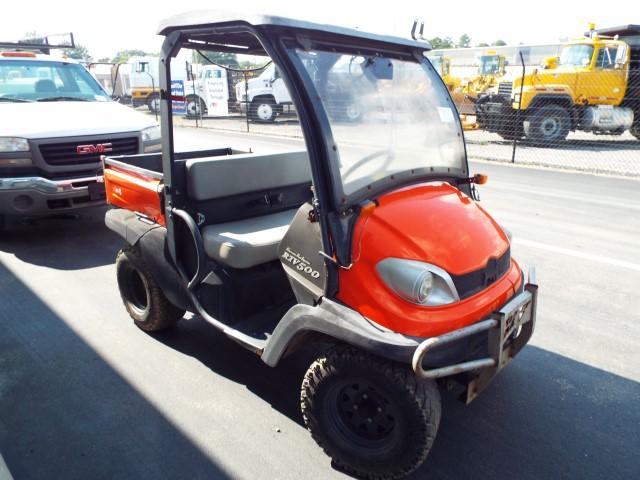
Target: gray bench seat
{"type": "Point", "coordinates": [247, 243]}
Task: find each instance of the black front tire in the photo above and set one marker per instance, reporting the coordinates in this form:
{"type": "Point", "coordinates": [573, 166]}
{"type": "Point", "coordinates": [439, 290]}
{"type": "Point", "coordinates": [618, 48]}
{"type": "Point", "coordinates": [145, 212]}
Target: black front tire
{"type": "Point", "coordinates": [153, 103]}
{"type": "Point", "coordinates": [373, 417]}
{"type": "Point", "coordinates": [263, 110]}
{"type": "Point", "coordinates": [547, 125]}
{"type": "Point", "coordinates": [143, 298]}
{"type": "Point", "coordinates": [195, 106]}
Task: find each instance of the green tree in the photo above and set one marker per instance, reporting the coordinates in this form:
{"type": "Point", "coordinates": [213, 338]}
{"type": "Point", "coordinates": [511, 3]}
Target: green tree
{"type": "Point", "coordinates": [123, 56]}
{"type": "Point", "coordinates": [464, 41]}
{"type": "Point", "coordinates": [221, 58]}
{"type": "Point", "coordinates": [104, 60]}
{"type": "Point", "coordinates": [437, 42]}
{"type": "Point", "coordinates": [499, 43]}
{"type": "Point", "coordinates": [78, 53]}
{"type": "Point", "coordinates": [483, 44]}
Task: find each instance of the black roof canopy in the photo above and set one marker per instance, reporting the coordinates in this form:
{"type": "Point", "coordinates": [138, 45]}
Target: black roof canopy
{"type": "Point", "coordinates": [223, 31]}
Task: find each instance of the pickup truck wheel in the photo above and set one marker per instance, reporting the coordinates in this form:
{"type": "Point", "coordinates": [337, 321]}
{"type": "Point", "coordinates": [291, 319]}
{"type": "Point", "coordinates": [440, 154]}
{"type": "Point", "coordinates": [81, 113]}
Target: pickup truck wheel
{"type": "Point", "coordinates": [263, 110]}
{"type": "Point", "coordinates": [142, 297]}
{"type": "Point", "coordinates": [547, 125]}
{"type": "Point", "coordinates": [635, 130]}
{"type": "Point", "coordinates": [373, 417]}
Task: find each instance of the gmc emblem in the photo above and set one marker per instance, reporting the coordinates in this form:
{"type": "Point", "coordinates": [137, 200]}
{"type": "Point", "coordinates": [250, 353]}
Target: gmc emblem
{"type": "Point", "coordinates": [97, 148]}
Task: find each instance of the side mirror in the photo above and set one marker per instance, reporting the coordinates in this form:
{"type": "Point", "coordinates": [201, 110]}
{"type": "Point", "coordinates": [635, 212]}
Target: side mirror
{"type": "Point", "coordinates": [380, 69]}
{"type": "Point", "coordinates": [621, 56]}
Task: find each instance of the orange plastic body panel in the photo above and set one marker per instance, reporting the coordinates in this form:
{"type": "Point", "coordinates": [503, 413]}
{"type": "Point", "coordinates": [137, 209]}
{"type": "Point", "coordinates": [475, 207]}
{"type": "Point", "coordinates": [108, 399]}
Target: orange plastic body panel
{"type": "Point", "coordinates": [133, 191]}
{"type": "Point", "coordinates": [433, 223]}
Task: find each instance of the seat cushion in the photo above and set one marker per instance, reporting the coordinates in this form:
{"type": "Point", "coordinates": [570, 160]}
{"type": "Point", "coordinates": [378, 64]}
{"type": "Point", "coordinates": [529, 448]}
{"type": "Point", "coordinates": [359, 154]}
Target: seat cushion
{"type": "Point", "coordinates": [247, 243]}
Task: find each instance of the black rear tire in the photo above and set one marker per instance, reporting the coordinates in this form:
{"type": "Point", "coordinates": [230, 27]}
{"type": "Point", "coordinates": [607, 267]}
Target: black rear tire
{"type": "Point", "coordinates": [547, 125]}
{"type": "Point", "coordinates": [373, 417]}
{"type": "Point", "coordinates": [142, 297]}
{"type": "Point", "coordinates": [635, 129]}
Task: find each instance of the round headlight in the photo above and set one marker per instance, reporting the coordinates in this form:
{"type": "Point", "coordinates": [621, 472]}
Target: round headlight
{"type": "Point", "coordinates": [418, 282]}
{"type": "Point", "coordinates": [426, 284]}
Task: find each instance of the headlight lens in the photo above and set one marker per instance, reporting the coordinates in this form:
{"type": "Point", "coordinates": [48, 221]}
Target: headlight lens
{"type": "Point", "coordinates": [151, 133]}
{"type": "Point", "coordinates": [13, 144]}
{"type": "Point", "coordinates": [418, 282]}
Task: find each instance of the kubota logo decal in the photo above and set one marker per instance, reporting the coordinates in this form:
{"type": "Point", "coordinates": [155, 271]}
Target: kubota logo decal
{"type": "Point", "coordinates": [299, 263]}
{"type": "Point", "coordinates": [97, 148]}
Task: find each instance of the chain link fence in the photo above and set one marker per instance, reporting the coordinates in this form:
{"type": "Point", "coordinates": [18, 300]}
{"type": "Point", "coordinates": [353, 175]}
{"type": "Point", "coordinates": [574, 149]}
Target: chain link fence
{"type": "Point", "coordinates": [570, 106]}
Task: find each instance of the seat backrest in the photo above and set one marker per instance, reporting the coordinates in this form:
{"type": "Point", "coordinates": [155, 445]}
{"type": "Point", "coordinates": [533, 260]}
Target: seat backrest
{"type": "Point", "coordinates": [218, 177]}
{"type": "Point", "coordinates": [45, 86]}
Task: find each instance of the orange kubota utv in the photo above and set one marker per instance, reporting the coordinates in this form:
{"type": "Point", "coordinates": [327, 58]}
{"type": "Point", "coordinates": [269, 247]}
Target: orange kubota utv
{"type": "Point", "coordinates": [370, 241]}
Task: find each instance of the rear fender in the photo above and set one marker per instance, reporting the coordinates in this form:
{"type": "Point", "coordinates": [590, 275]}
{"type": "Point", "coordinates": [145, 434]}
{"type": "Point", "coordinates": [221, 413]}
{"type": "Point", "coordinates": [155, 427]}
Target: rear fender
{"type": "Point", "coordinates": [151, 241]}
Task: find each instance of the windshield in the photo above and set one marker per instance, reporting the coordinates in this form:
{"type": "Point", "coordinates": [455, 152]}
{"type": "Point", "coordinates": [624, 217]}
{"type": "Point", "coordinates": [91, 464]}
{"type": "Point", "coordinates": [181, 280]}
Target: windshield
{"type": "Point", "coordinates": [489, 64]}
{"type": "Point", "coordinates": [437, 64]}
{"type": "Point", "coordinates": [390, 119]}
{"type": "Point", "coordinates": [33, 80]}
{"type": "Point", "coordinates": [576, 55]}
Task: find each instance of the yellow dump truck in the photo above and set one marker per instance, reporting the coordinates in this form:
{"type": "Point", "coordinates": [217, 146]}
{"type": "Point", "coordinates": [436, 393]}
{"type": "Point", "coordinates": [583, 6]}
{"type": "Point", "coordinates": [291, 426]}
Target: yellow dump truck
{"type": "Point", "coordinates": [586, 88]}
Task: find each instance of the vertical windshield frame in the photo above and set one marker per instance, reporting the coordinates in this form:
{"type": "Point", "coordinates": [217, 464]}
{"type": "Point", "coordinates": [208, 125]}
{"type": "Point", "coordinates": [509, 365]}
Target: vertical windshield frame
{"type": "Point", "coordinates": [345, 199]}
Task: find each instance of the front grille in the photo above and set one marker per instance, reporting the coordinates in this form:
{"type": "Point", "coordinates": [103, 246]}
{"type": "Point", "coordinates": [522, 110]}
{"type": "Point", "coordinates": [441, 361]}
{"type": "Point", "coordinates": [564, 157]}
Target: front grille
{"type": "Point", "coordinates": [471, 283]}
{"type": "Point", "coordinates": [505, 88]}
{"type": "Point", "coordinates": [66, 154]}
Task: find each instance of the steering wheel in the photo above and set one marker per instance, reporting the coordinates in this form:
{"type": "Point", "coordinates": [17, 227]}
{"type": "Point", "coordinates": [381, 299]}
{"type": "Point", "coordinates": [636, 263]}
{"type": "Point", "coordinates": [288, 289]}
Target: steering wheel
{"type": "Point", "coordinates": [388, 156]}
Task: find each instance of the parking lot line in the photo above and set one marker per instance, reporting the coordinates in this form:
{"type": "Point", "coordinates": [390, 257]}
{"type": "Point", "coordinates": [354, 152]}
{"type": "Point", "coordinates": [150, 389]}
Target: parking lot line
{"type": "Point", "coordinates": [524, 189]}
{"type": "Point", "coordinates": [578, 254]}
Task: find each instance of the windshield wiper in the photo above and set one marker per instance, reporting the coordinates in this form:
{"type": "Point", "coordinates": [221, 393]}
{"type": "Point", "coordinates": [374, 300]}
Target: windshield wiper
{"type": "Point", "coordinates": [16, 100]}
{"type": "Point", "coordinates": [55, 99]}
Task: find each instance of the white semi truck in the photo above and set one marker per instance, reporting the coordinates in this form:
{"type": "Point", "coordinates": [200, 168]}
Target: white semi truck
{"type": "Point", "coordinates": [206, 87]}
{"type": "Point", "coordinates": [55, 123]}
{"type": "Point", "coordinates": [264, 97]}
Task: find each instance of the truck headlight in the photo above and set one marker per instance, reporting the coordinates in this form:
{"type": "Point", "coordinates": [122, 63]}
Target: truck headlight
{"type": "Point", "coordinates": [418, 282]}
{"type": "Point", "coordinates": [13, 144]}
{"type": "Point", "coordinates": [151, 133]}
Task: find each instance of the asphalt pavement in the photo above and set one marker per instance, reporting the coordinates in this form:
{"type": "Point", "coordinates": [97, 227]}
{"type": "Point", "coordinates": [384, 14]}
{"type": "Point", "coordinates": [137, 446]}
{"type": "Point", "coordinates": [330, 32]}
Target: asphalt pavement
{"type": "Point", "coordinates": [84, 394]}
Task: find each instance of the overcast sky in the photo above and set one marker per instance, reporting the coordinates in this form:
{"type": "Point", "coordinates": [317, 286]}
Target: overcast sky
{"type": "Point", "coordinates": [109, 26]}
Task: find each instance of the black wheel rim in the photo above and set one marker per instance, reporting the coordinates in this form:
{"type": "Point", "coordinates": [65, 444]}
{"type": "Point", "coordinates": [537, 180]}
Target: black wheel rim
{"type": "Point", "coordinates": [362, 416]}
{"type": "Point", "coordinates": [137, 290]}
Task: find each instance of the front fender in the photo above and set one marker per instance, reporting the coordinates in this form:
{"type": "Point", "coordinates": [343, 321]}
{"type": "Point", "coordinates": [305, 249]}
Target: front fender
{"type": "Point", "coordinates": [340, 323]}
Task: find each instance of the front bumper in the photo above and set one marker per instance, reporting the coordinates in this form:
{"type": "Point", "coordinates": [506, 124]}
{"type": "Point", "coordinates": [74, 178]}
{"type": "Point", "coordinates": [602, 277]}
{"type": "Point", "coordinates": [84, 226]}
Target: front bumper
{"type": "Point", "coordinates": [39, 195]}
{"type": "Point", "coordinates": [507, 331]}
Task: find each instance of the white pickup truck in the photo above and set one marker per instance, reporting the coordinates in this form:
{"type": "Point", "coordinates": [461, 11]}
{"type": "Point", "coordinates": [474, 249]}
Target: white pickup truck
{"type": "Point", "coordinates": [55, 123]}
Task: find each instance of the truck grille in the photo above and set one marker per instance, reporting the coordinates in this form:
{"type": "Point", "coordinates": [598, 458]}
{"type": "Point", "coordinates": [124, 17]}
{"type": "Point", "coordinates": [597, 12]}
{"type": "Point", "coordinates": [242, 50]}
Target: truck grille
{"type": "Point", "coordinates": [66, 154]}
{"type": "Point", "coordinates": [505, 88]}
